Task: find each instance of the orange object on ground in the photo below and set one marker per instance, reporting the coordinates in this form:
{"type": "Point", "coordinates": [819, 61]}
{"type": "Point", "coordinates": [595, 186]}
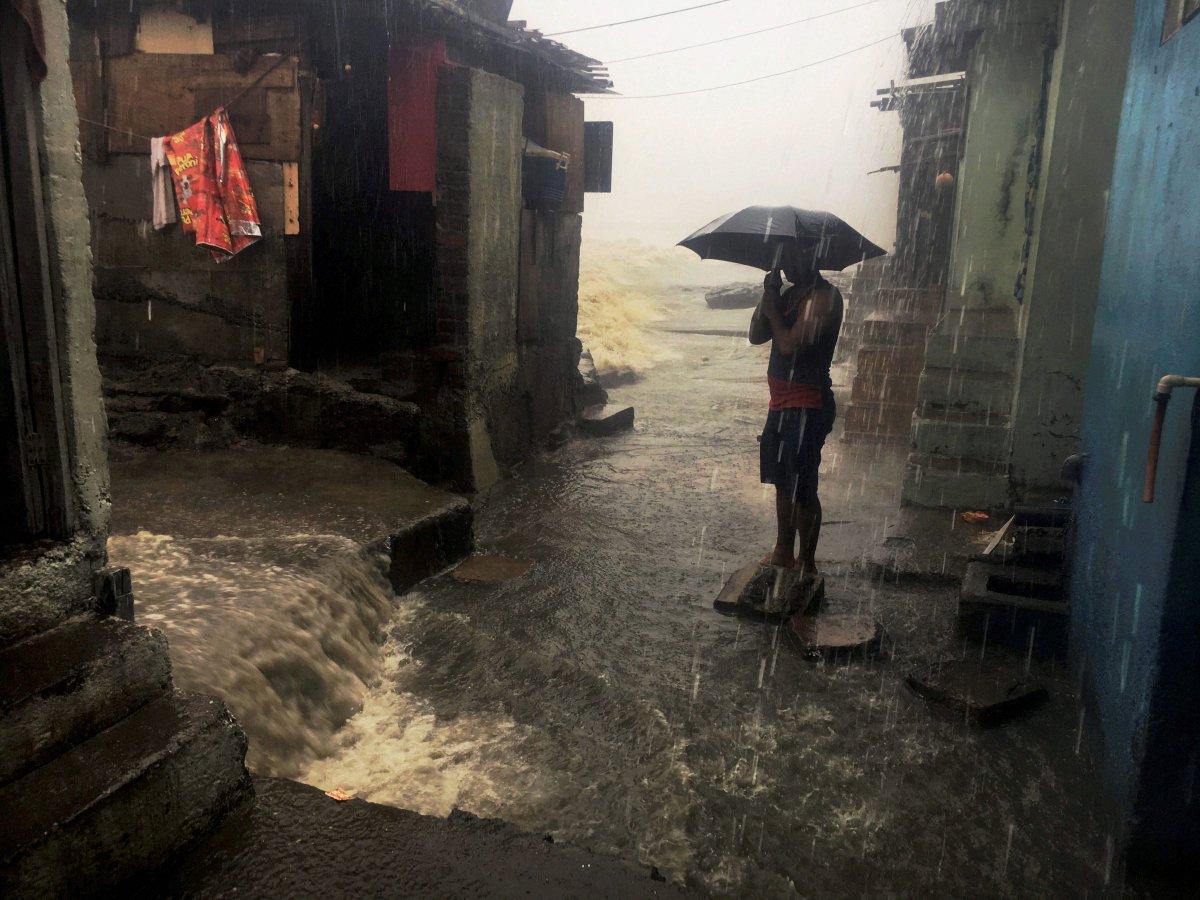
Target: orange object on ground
{"type": "Point", "coordinates": [337, 794]}
{"type": "Point", "coordinates": [974, 516]}
{"type": "Point", "coordinates": [215, 200]}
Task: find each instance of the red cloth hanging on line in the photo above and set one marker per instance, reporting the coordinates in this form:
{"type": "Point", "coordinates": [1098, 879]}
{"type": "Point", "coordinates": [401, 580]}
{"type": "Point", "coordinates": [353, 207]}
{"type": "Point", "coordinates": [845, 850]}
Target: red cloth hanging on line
{"type": "Point", "coordinates": [215, 200]}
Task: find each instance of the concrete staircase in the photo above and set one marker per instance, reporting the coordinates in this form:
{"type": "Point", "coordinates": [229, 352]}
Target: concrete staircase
{"type": "Point", "coordinates": [961, 430]}
{"type": "Point", "coordinates": [891, 356]}
{"type": "Point", "coordinates": [106, 772]}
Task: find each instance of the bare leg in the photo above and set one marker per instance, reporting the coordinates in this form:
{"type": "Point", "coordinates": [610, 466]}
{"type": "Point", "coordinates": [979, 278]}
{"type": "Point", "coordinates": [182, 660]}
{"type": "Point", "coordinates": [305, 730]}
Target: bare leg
{"type": "Point", "coordinates": [784, 553]}
{"type": "Point", "coordinates": [808, 530]}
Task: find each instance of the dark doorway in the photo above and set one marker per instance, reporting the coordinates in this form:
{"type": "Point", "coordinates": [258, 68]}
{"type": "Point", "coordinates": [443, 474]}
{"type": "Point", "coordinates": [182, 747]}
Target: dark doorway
{"type": "Point", "coordinates": [373, 248]}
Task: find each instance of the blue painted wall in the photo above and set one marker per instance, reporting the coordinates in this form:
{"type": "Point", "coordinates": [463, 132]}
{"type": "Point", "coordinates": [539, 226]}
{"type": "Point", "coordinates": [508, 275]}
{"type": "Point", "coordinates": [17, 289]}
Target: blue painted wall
{"type": "Point", "coordinates": [1135, 629]}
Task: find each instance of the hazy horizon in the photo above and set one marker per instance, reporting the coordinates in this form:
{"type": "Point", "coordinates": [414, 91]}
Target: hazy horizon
{"type": "Point", "coordinates": [807, 138]}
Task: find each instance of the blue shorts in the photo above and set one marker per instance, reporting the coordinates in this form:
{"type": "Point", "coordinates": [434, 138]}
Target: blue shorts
{"type": "Point", "coordinates": [789, 450]}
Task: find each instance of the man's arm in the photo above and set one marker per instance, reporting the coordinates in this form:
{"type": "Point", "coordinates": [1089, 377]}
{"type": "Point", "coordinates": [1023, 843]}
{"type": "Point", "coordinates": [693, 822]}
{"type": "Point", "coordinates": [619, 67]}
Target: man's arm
{"type": "Point", "coordinates": [760, 324]}
{"type": "Point", "coordinates": [809, 326]}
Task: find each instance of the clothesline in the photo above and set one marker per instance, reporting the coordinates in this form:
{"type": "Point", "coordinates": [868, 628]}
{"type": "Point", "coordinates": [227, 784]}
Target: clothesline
{"type": "Point", "coordinates": [283, 57]}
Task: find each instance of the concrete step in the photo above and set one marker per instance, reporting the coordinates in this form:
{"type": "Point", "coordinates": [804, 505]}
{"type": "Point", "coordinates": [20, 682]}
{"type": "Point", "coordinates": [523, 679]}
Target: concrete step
{"type": "Point", "coordinates": [602, 421]}
{"type": "Point", "coordinates": [943, 392]}
{"type": "Point", "coordinates": [932, 487]}
{"type": "Point", "coordinates": [884, 388]}
{"type": "Point", "coordinates": [889, 360]}
{"type": "Point", "coordinates": [958, 465]}
{"type": "Point", "coordinates": [882, 328]}
{"type": "Point", "coordinates": [977, 441]}
{"type": "Point", "coordinates": [426, 545]}
{"type": "Point", "coordinates": [66, 684]}
{"type": "Point", "coordinates": [878, 419]}
{"type": "Point", "coordinates": [960, 352]}
{"type": "Point", "coordinates": [123, 802]}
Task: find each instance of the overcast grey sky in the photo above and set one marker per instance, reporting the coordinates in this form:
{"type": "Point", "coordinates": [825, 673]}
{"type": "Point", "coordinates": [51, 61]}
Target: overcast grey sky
{"type": "Point", "coordinates": [807, 138]}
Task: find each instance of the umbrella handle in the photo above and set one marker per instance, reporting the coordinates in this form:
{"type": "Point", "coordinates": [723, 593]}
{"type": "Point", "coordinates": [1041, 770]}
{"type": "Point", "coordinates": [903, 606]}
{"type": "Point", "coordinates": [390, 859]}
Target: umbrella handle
{"type": "Point", "coordinates": [778, 255]}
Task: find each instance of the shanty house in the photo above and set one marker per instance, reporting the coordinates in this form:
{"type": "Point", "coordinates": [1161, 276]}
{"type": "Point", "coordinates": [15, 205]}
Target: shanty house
{"type": "Point", "coordinates": [419, 170]}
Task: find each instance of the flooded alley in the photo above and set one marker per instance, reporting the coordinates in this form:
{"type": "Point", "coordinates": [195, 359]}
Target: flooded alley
{"type": "Point", "coordinates": [600, 699]}
{"type": "Point", "coordinates": [499, 448]}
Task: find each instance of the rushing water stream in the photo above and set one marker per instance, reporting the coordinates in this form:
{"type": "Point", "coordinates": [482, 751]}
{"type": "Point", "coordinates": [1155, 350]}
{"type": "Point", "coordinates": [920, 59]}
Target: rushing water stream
{"type": "Point", "coordinates": [598, 698]}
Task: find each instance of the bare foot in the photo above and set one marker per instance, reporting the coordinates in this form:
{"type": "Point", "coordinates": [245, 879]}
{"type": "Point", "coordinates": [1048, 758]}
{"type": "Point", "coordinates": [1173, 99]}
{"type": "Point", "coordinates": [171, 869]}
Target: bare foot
{"type": "Point", "coordinates": [807, 571]}
{"type": "Point", "coordinates": [779, 558]}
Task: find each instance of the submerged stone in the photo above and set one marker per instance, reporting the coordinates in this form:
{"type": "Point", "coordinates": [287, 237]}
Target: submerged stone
{"type": "Point", "coordinates": [983, 692]}
{"type": "Point", "coordinates": [833, 633]}
{"type": "Point", "coordinates": [601, 421]}
{"type": "Point", "coordinates": [490, 569]}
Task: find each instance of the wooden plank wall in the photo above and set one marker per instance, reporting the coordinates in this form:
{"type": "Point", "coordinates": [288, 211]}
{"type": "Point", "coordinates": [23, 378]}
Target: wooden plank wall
{"type": "Point", "coordinates": [556, 122]}
{"type": "Point", "coordinates": [162, 93]}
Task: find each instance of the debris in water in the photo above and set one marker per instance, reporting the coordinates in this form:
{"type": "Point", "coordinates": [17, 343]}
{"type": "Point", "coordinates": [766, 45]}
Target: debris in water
{"type": "Point", "coordinates": [338, 794]}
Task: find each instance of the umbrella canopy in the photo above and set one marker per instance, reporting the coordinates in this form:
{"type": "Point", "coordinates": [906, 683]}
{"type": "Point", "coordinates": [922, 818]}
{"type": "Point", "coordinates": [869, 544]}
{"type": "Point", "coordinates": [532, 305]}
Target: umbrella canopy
{"type": "Point", "coordinates": [755, 235]}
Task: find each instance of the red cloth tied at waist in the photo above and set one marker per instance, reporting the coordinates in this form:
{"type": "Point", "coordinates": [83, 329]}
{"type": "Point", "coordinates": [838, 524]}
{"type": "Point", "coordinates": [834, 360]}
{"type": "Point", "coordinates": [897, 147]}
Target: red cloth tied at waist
{"type": "Point", "coordinates": [793, 395]}
{"type": "Point", "coordinates": [215, 200]}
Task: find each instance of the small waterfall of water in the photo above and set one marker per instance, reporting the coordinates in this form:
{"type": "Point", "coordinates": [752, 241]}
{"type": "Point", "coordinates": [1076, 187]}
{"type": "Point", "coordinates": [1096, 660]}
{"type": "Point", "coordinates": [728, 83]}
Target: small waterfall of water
{"type": "Point", "coordinates": [287, 629]}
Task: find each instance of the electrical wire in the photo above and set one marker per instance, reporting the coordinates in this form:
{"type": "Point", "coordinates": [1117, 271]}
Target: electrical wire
{"type": "Point", "coordinates": [721, 87]}
{"type": "Point", "coordinates": [734, 37]}
{"type": "Point", "coordinates": [669, 12]}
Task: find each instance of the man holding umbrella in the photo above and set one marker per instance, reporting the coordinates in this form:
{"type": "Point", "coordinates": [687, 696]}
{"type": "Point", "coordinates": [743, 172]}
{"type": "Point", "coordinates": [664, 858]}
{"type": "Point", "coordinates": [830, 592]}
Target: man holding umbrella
{"type": "Point", "coordinates": [802, 323]}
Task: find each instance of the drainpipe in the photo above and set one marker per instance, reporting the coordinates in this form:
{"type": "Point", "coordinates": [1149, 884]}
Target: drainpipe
{"type": "Point", "coordinates": [1161, 395]}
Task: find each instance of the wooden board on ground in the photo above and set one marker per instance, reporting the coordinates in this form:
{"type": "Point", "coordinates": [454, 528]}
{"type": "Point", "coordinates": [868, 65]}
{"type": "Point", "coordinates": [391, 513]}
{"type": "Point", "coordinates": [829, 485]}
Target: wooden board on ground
{"type": "Point", "coordinates": [978, 691]}
{"type": "Point", "coordinates": [768, 594]}
{"type": "Point", "coordinates": [490, 569]}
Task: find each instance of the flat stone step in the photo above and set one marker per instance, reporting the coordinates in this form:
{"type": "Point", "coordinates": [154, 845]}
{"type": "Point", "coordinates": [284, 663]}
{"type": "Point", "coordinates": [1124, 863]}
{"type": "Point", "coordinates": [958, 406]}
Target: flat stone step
{"type": "Point", "coordinates": [122, 802]}
{"type": "Point", "coordinates": [883, 388]}
{"type": "Point", "coordinates": [1009, 586]}
{"type": "Point", "coordinates": [943, 392]}
{"type": "Point", "coordinates": [969, 440]}
{"type": "Point", "coordinates": [71, 682]}
{"type": "Point", "coordinates": [875, 417]}
{"type": "Point", "coordinates": [978, 692]}
{"type": "Point", "coordinates": [936, 487]}
{"type": "Point", "coordinates": [972, 353]}
{"type": "Point", "coordinates": [600, 421]}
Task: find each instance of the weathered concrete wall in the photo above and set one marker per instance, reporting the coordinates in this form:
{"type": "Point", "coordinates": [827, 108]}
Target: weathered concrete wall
{"type": "Point", "coordinates": [478, 234]}
{"type": "Point", "coordinates": [507, 286]}
{"type": "Point", "coordinates": [976, 346]}
{"type": "Point", "coordinates": [158, 295]}
{"type": "Point", "coordinates": [1005, 81]}
{"type": "Point", "coordinates": [48, 584]}
{"type": "Point", "coordinates": [1135, 604]}
{"type": "Point", "coordinates": [1064, 272]}
{"type": "Point", "coordinates": [493, 235]}
{"type": "Point", "coordinates": [549, 350]}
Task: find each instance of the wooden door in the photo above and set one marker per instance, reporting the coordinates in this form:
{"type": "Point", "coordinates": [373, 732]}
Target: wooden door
{"type": "Point", "coordinates": [34, 449]}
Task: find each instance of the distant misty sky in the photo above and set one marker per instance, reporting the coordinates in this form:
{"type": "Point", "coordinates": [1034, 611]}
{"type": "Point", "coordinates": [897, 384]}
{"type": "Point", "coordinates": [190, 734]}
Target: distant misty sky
{"type": "Point", "coordinates": [807, 138]}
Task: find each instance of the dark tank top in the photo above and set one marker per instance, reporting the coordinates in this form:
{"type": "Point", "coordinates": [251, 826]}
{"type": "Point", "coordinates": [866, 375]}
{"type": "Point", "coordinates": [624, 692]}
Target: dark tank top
{"type": "Point", "coordinates": [811, 365]}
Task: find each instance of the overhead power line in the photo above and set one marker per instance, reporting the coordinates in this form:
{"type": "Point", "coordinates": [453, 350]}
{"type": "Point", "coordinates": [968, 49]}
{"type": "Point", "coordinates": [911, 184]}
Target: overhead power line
{"type": "Point", "coordinates": [669, 12]}
{"type": "Point", "coordinates": [720, 87]}
{"type": "Point", "coordinates": [734, 37]}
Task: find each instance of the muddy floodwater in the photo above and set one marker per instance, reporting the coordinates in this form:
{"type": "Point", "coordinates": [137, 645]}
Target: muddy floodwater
{"type": "Point", "coordinates": [598, 698]}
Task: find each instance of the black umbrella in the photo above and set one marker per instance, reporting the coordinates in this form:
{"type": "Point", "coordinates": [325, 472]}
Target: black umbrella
{"type": "Point", "coordinates": [756, 235]}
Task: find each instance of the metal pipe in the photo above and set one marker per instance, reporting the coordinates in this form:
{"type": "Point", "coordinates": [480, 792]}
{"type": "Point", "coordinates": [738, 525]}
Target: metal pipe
{"type": "Point", "coordinates": [1161, 395]}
